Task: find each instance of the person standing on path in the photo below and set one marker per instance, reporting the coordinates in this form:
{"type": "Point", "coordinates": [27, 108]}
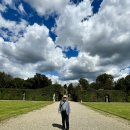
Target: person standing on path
{"type": "Point", "coordinates": [64, 109]}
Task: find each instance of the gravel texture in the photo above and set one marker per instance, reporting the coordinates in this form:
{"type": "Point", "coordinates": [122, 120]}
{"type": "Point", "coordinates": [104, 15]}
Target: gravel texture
{"type": "Point", "coordinates": [81, 118]}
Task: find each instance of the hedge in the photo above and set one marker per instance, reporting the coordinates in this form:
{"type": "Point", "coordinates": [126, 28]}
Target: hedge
{"type": "Point", "coordinates": [31, 94]}
{"type": "Point", "coordinates": [46, 94]}
{"type": "Point", "coordinates": [99, 96]}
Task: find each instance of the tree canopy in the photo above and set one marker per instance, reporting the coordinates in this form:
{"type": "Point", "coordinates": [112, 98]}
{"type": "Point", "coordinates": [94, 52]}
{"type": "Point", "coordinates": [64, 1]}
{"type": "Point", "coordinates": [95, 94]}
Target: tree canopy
{"type": "Point", "coordinates": [103, 81]}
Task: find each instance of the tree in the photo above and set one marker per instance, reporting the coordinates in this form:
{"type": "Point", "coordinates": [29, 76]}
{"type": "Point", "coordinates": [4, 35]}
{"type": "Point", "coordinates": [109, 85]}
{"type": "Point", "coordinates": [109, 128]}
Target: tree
{"type": "Point", "coordinates": [127, 83]}
{"type": "Point", "coordinates": [17, 83]}
{"type": "Point", "coordinates": [65, 89]}
{"type": "Point", "coordinates": [124, 85]}
{"type": "Point", "coordinates": [29, 83]}
{"type": "Point", "coordinates": [120, 84]}
{"type": "Point", "coordinates": [5, 80]}
{"type": "Point", "coordinates": [70, 89]}
{"type": "Point", "coordinates": [77, 93]}
{"type": "Point", "coordinates": [127, 86]}
{"type": "Point", "coordinates": [84, 84]}
{"type": "Point", "coordinates": [94, 86]}
{"type": "Point", "coordinates": [41, 81]}
{"type": "Point", "coordinates": [105, 81]}
{"type": "Point", "coordinates": [58, 90]}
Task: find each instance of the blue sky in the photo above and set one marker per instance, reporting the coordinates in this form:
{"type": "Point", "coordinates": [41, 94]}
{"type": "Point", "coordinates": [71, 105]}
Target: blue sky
{"type": "Point", "coordinates": [32, 17]}
{"type": "Point", "coordinates": [74, 33]}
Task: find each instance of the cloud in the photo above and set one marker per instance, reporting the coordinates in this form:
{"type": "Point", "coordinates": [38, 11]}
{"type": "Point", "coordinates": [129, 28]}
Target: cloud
{"type": "Point", "coordinates": [105, 35]}
{"type": "Point", "coordinates": [44, 7]}
{"type": "Point", "coordinates": [103, 41]}
{"type": "Point", "coordinates": [2, 8]}
{"type": "Point", "coordinates": [6, 23]}
{"type": "Point", "coordinates": [56, 79]}
{"type": "Point", "coordinates": [35, 51]}
{"type": "Point", "coordinates": [21, 9]}
{"type": "Point", "coordinates": [69, 24]}
{"type": "Point", "coordinates": [12, 30]}
{"type": "Point", "coordinates": [81, 66]}
{"type": "Point", "coordinates": [8, 3]}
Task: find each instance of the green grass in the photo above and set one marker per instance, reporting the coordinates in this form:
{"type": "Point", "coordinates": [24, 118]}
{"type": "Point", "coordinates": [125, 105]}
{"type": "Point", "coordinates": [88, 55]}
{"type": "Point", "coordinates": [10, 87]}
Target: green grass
{"type": "Point", "coordinates": [13, 108]}
{"type": "Point", "coordinates": [118, 109]}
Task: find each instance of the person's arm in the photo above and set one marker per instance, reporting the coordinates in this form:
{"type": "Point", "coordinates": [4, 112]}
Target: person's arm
{"type": "Point", "coordinates": [68, 109]}
{"type": "Point", "coordinates": [59, 109]}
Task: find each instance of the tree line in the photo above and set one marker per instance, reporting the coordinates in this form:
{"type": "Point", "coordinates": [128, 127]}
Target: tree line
{"type": "Point", "coordinates": [39, 81]}
{"type": "Point", "coordinates": [36, 82]}
{"type": "Point", "coordinates": [103, 82]}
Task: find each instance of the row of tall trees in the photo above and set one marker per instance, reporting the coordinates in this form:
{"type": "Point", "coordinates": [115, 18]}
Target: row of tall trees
{"type": "Point", "coordinates": [39, 81]}
{"type": "Point", "coordinates": [103, 82]}
{"type": "Point", "coordinates": [36, 82]}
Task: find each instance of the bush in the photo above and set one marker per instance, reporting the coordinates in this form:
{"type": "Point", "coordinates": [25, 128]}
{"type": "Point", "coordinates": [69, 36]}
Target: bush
{"type": "Point", "coordinates": [44, 94]}
{"type": "Point", "coordinates": [99, 95]}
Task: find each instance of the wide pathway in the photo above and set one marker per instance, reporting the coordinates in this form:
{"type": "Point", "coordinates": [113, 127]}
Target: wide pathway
{"type": "Point", "coordinates": [81, 118]}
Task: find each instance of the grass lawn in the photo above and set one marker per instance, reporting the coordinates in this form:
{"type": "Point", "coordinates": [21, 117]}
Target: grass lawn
{"type": "Point", "coordinates": [118, 109]}
{"type": "Point", "coordinates": [13, 108]}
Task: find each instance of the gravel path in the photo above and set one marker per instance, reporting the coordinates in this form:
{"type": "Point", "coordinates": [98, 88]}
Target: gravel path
{"type": "Point", "coordinates": [81, 118]}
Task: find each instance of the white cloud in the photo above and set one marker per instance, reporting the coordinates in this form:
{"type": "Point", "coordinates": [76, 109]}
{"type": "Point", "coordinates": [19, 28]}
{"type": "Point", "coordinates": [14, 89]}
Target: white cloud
{"type": "Point", "coordinates": [47, 7]}
{"type": "Point", "coordinates": [21, 9]}
{"type": "Point", "coordinates": [35, 51]}
{"type": "Point", "coordinates": [118, 72]}
{"type": "Point", "coordinates": [69, 26]}
{"type": "Point", "coordinates": [82, 66]}
{"type": "Point", "coordinates": [7, 2]}
{"type": "Point", "coordinates": [6, 23]}
{"type": "Point", "coordinates": [105, 34]}
{"type": "Point", "coordinates": [15, 29]}
{"type": "Point", "coordinates": [103, 41]}
{"type": "Point", "coordinates": [56, 79]}
{"type": "Point", "coordinates": [2, 8]}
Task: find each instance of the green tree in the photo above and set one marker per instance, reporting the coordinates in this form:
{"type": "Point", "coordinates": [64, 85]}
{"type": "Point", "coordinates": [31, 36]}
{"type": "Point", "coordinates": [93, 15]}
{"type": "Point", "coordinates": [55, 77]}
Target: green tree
{"type": "Point", "coordinates": [127, 83]}
{"type": "Point", "coordinates": [70, 90]}
{"type": "Point", "coordinates": [41, 81]}
{"type": "Point", "coordinates": [94, 86]}
{"type": "Point", "coordinates": [5, 80]}
{"type": "Point", "coordinates": [120, 84]}
{"type": "Point", "coordinates": [17, 83]}
{"type": "Point", "coordinates": [83, 83]}
{"type": "Point", "coordinates": [77, 93]}
{"type": "Point", "coordinates": [105, 81]}
{"type": "Point", "coordinates": [127, 86]}
{"type": "Point", "coordinates": [58, 90]}
{"type": "Point", "coordinates": [29, 83]}
{"type": "Point", "coordinates": [65, 89]}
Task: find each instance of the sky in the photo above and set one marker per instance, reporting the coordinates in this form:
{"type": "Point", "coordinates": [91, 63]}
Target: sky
{"type": "Point", "coordinates": [65, 39]}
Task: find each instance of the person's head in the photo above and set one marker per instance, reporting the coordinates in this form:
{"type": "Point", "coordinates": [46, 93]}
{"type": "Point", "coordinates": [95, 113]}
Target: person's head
{"type": "Point", "coordinates": [65, 97]}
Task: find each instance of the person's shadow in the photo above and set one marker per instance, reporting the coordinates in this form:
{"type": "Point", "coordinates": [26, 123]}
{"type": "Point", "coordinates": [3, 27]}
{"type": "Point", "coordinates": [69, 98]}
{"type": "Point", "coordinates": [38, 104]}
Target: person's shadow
{"type": "Point", "coordinates": [57, 125]}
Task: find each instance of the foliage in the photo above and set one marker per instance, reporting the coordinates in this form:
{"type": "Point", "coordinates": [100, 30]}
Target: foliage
{"type": "Point", "coordinates": [127, 83]}
{"type": "Point", "coordinates": [38, 81]}
{"type": "Point", "coordinates": [40, 87]}
{"type": "Point", "coordinates": [120, 84]}
{"type": "Point", "coordinates": [83, 83]}
{"type": "Point", "coordinates": [58, 90]}
{"type": "Point", "coordinates": [5, 80]}
{"type": "Point", "coordinates": [93, 85]}
{"type": "Point", "coordinates": [105, 81]}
